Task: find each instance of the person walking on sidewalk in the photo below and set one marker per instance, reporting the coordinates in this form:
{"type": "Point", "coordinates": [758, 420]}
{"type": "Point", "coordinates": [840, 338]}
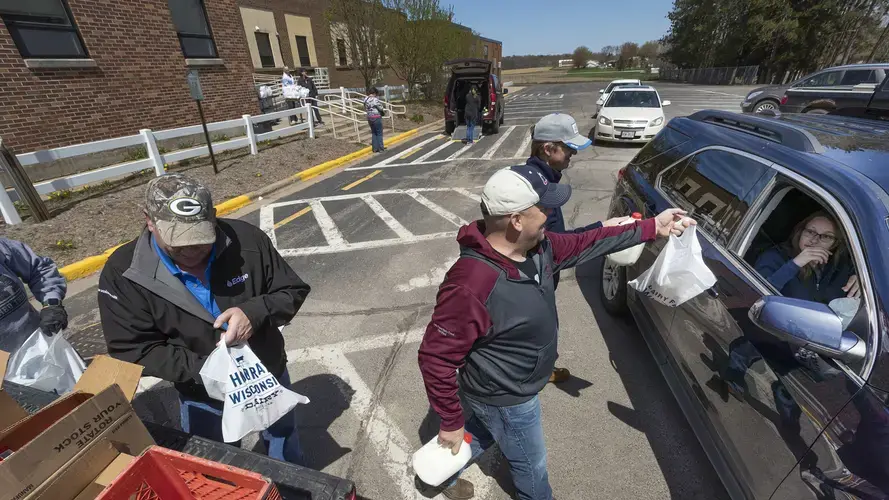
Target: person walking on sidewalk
{"type": "Point", "coordinates": [166, 298]}
{"type": "Point", "coordinates": [471, 113]}
{"type": "Point", "coordinates": [306, 81]}
{"type": "Point", "coordinates": [374, 109]}
{"type": "Point", "coordinates": [493, 336]}
{"type": "Point", "coordinates": [19, 265]}
{"type": "Point", "coordinates": [554, 140]}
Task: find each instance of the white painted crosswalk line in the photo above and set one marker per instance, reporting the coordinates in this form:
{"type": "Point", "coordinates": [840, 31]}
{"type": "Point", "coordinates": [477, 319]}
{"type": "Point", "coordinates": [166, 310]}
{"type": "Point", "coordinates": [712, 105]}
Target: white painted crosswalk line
{"type": "Point", "coordinates": [328, 227]}
{"type": "Point", "coordinates": [460, 151]}
{"type": "Point", "coordinates": [431, 205]}
{"type": "Point", "coordinates": [408, 150]}
{"type": "Point", "coordinates": [467, 193]}
{"type": "Point", "coordinates": [526, 143]}
{"type": "Point", "coordinates": [429, 154]}
{"type": "Point", "coordinates": [387, 217]}
{"type": "Point", "coordinates": [493, 150]}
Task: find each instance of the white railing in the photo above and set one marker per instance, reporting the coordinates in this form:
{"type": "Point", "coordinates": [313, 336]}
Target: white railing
{"type": "Point", "coordinates": [156, 160]}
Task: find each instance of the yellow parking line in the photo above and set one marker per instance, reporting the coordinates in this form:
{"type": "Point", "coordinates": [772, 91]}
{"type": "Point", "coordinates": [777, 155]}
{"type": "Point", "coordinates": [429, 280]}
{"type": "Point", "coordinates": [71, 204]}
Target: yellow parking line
{"type": "Point", "coordinates": [409, 153]}
{"type": "Point", "coordinates": [293, 217]}
{"type": "Point", "coordinates": [365, 178]}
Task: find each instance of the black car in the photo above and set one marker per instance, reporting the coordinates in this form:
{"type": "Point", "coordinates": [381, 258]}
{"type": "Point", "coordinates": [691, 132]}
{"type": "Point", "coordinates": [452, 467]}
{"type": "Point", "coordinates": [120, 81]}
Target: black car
{"type": "Point", "coordinates": [833, 88]}
{"type": "Point", "coordinates": [761, 99]}
{"type": "Point", "coordinates": [876, 108]}
{"type": "Point", "coordinates": [464, 74]}
{"type": "Point", "coordinates": [787, 395]}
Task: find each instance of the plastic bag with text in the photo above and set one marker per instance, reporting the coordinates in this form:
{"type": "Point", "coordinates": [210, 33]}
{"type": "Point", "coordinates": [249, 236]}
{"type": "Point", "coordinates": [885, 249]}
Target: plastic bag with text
{"type": "Point", "coordinates": [678, 274]}
{"type": "Point", "coordinates": [253, 398]}
{"type": "Point", "coordinates": [45, 363]}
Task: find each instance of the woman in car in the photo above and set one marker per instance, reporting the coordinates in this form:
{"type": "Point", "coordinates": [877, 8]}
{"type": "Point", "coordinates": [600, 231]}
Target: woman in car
{"type": "Point", "coordinates": [813, 264]}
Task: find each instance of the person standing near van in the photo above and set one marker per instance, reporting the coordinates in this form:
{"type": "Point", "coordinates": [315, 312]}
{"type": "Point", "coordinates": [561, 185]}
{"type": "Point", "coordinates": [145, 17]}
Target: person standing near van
{"type": "Point", "coordinates": [471, 113]}
{"type": "Point", "coordinates": [374, 109]}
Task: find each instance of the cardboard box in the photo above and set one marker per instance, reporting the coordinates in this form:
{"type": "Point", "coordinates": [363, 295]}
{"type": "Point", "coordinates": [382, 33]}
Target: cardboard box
{"type": "Point", "coordinates": [48, 441]}
{"type": "Point", "coordinates": [10, 411]}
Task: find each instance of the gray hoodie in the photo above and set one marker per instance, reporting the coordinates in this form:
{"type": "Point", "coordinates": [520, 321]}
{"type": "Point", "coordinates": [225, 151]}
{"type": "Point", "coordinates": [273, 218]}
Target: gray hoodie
{"type": "Point", "coordinates": [18, 264]}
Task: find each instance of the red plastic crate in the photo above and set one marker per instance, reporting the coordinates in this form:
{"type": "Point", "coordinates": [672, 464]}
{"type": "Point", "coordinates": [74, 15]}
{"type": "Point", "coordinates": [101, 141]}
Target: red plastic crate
{"type": "Point", "coordinates": [163, 474]}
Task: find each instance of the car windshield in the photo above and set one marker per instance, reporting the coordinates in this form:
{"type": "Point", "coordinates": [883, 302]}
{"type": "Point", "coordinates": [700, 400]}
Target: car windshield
{"type": "Point", "coordinates": [613, 85]}
{"type": "Point", "coordinates": [633, 99]}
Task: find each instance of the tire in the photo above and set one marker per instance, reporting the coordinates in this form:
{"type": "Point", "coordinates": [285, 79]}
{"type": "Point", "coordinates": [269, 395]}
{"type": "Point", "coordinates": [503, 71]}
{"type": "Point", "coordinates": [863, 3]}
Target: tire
{"type": "Point", "coordinates": [495, 127]}
{"type": "Point", "coordinates": [613, 288]}
{"type": "Point", "coordinates": [502, 118]}
{"type": "Point", "coordinates": [450, 127]}
{"type": "Point", "coordinates": [765, 104]}
{"type": "Point", "coordinates": [817, 111]}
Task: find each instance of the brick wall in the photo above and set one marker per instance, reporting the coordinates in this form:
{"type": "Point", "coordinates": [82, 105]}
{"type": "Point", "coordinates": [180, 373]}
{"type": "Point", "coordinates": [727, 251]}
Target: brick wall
{"type": "Point", "coordinates": [139, 82]}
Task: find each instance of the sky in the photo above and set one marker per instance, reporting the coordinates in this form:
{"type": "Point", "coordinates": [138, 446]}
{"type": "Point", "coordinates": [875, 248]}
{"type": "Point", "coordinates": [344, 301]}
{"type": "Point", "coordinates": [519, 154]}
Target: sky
{"type": "Point", "coordinates": [560, 26]}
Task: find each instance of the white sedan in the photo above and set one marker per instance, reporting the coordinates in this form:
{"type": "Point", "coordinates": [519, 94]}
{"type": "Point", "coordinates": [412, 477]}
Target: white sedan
{"type": "Point", "coordinates": [606, 92]}
{"type": "Point", "coordinates": [631, 114]}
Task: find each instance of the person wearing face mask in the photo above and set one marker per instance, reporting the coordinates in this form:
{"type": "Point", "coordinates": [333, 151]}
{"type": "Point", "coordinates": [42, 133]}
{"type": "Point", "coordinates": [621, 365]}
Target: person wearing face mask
{"type": "Point", "coordinates": [554, 140]}
{"type": "Point", "coordinates": [166, 299]}
{"type": "Point", "coordinates": [493, 336]}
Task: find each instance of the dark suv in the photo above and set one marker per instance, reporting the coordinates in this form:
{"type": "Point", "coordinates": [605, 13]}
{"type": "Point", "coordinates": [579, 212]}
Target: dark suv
{"type": "Point", "coordinates": [786, 392]}
{"type": "Point", "coordinates": [833, 88]}
{"type": "Point", "coordinates": [466, 73]}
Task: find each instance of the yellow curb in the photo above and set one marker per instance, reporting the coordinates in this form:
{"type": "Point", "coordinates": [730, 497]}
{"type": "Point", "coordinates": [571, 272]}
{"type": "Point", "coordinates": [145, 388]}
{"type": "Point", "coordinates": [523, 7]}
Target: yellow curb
{"type": "Point", "coordinates": [94, 263]}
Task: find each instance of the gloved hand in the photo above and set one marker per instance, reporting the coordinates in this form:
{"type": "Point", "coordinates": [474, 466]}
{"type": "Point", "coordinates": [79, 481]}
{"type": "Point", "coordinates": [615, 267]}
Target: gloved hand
{"type": "Point", "coordinates": [53, 319]}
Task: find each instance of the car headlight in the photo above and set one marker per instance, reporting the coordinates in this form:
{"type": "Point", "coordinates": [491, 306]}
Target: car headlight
{"type": "Point", "coordinates": [604, 121]}
{"type": "Point", "coordinates": [656, 122]}
{"type": "Point", "coordinates": [753, 94]}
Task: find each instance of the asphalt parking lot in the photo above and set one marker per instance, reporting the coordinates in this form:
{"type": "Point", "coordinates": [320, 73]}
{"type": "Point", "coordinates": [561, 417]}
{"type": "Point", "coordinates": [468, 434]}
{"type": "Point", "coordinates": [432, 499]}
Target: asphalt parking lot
{"type": "Point", "coordinates": [374, 242]}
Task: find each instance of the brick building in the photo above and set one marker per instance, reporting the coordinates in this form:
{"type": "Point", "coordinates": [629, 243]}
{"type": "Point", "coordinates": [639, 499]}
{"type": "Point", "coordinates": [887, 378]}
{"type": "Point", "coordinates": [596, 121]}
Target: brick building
{"type": "Point", "coordinates": [492, 50]}
{"type": "Point", "coordinates": [74, 71]}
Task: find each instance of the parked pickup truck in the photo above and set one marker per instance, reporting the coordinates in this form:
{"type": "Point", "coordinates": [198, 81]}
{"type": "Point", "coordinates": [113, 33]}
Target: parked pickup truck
{"type": "Point", "coordinates": [877, 107]}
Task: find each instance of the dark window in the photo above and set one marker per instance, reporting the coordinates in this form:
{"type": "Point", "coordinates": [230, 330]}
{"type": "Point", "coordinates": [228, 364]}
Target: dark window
{"type": "Point", "coordinates": [341, 52]}
{"type": "Point", "coordinates": [190, 20]}
{"type": "Point", "coordinates": [666, 140]}
{"type": "Point", "coordinates": [825, 79]}
{"type": "Point", "coordinates": [302, 51]}
{"type": "Point", "coordinates": [717, 188]}
{"type": "Point", "coordinates": [485, 50]}
{"type": "Point", "coordinates": [42, 28]}
{"type": "Point", "coordinates": [266, 59]}
{"type": "Point", "coordinates": [856, 76]}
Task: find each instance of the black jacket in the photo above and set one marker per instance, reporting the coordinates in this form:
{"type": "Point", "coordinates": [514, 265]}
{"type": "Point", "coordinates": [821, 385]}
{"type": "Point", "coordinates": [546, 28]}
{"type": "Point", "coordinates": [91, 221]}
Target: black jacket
{"type": "Point", "coordinates": [473, 108]}
{"type": "Point", "coordinates": [306, 82]}
{"type": "Point", "coordinates": [150, 318]}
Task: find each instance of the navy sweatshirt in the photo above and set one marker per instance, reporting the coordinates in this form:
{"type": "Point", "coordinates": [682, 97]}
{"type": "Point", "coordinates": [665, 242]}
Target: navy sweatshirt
{"type": "Point", "coordinates": [777, 265]}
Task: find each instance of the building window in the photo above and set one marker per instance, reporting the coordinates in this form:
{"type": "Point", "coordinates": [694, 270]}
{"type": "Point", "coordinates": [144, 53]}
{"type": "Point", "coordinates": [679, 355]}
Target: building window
{"type": "Point", "coordinates": [302, 51]}
{"type": "Point", "coordinates": [190, 20]}
{"type": "Point", "coordinates": [42, 29]}
{"type": "Point", "coordinates": [264, 46]}
{"type": "Point", "coordinates": [485, 51]}
{"type": "Point", "coordinates": [341, 52]}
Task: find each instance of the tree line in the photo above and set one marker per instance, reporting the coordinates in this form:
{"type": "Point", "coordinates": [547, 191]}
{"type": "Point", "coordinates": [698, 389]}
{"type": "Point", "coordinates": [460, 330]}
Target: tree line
{"type": "Point", "coordinates": [625, 56]}
{"type": "Point", "coordinates": [412, 38]}
{"type": "Point", "coordinates": [785, 38]}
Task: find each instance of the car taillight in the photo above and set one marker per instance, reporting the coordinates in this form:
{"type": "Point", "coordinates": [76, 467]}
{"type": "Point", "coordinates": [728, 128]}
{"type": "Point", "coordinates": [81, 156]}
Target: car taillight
{"type": "Point", "coordinates": [447, 100]}
{"type": "Point", "coordinates": [783, 100]}
{"type": "Point", "coordinates": [621, 173]}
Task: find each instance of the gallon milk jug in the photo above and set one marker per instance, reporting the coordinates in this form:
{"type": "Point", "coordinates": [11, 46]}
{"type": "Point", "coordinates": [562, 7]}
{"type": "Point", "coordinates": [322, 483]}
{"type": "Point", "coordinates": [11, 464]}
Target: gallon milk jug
{"type": "Point", "coordinates": [628, 256]}
{"type": "Point", "coordinates": [433, 463]}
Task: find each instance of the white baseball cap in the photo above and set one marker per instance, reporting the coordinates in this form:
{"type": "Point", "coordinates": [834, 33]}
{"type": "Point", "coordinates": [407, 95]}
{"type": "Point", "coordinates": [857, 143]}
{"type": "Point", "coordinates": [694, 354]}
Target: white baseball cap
{"type": "Point", "coordinates": [514, 189]}
{"type": "Point", "coordinates": [559, 127]}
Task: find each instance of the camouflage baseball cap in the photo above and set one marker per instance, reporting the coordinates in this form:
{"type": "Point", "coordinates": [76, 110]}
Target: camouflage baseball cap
{"type": "Point", "coordinates": [181, 210]}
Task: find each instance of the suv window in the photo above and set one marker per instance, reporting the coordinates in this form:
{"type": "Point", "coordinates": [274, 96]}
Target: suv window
{"type": "Point", "coordinates": [856, 76]}
{"type": "Point", "coordinates": [717, 188]}
{"type": "Point", "coordinates": [825, 79]}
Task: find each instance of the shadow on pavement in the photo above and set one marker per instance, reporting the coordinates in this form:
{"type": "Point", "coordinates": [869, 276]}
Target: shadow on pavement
{"type": "Point", "coordinates": [335, 397]}
{"type": "Point", "coordinates": [573, 386]}
{"type": "Point", "coordinates": [686, 469]}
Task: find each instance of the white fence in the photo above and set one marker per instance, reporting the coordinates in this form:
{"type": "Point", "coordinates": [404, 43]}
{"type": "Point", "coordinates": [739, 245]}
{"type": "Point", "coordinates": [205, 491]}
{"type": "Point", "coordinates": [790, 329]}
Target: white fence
{"type": "Point", "coordinates": [156, 160]}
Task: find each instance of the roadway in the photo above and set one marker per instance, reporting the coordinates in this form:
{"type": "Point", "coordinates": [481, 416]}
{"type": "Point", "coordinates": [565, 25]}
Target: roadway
{"type": "Point", "coordinates": [374, 242]}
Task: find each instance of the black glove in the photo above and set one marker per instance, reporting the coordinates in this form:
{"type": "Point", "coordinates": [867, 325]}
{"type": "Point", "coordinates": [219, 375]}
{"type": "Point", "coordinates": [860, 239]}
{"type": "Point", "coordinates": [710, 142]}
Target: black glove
{"type": "Point", "coordinates": [53, 319]}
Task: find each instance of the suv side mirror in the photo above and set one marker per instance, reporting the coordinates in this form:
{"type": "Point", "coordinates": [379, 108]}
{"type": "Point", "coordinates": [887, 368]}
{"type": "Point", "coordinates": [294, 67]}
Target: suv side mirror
{"type": "Point", "coordinates": [666, 103]}
{"type": "Point", "coordinates": [600, 102]}
{"type": "Point", "coordinates": [601, 91]}
{"type": "Point", "coordinates": [812, 325]}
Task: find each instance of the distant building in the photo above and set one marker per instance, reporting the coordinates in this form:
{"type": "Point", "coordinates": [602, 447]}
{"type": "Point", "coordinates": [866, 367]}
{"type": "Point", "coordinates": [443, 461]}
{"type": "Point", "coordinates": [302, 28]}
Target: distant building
{"type": "Point", "coordinates": [592, 64]}
{"type": "Point", "coordinates": [566, 63]}
{"type": "Point", "coordinates": [492, 50]}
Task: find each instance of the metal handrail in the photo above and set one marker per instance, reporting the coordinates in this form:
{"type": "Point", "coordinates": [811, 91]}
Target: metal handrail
{"type": "Point", "coordinates": [327, 106]}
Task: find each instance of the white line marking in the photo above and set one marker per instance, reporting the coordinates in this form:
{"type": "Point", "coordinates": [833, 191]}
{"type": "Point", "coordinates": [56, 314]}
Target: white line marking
{"type": "Point", "coordinates": [431, 205]}
{"type": "Point", "coordinates": [387, 217]}
{"type": "Point", "coordinates": [532, 107]}
{"type": "Point", "coordinates": [436, 150]}
{"type": "Point", "coordinates": [526, 143]}
{"type": "Point", "coordinates": [720, 93]}
{"type": "Point", "coordinates": [561, 96]}
{"type": "Point", "coordinates": [434, 162]}
{"type": "Point", "coordinates": [267, 223]}
{"type": "Point", "coordinates": [528, 117]}
{"type": "Point", "coordinates": [433, 278]}
{"type": "Point", "coordinates": [460, 151]}
{"type": "Point", "coordinates": [490, 152]}
{"type": "Point", "coordinates": [364, 245]}
{"type": "Point", "coordinates": [352, 196]}
{"type": "Point", "coordinates": [325, 222]}
{"type": "Point", "coordinates": [415, 147]}
{"type": "Point", "coordinates": [467, 193]}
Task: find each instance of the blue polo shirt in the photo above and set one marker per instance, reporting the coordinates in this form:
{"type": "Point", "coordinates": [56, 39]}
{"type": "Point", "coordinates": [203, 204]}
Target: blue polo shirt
{"type": "Point", "coordinates": [192, 283]}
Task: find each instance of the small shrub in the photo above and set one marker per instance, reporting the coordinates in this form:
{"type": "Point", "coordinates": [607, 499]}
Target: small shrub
{"type": "Point", "coordinates": [184, 163]}
{"type": "Point", "coordinates": [60, 195]}
{"type": "Point", "coordinates": [185, 145]}
{"type": "Point", "coordinates": [65, 245]}
{"type": "Point", "coordinates": [162, 150]}
{"type": "Point", "coordinates": [21, 207]}
{"type": "Point", "coordinates": [219, 138]}
{"type": "Point", "coordinates": [417, 118]}
{"type": "Point", "coordinates": [138, 153]}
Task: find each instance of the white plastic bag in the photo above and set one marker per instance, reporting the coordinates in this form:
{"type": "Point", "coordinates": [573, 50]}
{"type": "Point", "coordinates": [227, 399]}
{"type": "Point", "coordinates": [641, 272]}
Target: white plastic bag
{"type": "Point", "coordinates": [46, 363]}
{"type": "Point", "coordinates": [678, 274]}
{"type": "Point", "coordinates": [254, 400]}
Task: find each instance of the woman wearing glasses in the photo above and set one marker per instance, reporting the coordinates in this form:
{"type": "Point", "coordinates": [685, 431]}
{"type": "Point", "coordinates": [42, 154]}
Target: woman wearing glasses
{"type": "Point", "coordinates": [813, 264]}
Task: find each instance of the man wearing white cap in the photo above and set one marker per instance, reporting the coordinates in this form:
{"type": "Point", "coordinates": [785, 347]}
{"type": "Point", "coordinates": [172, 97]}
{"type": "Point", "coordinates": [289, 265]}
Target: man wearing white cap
{"type": "Point", "coordinates": [554, 140]}
{"type": "Point", "coordinates": [494, 332]}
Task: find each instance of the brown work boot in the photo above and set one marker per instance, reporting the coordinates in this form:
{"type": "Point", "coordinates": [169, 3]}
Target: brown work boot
{"type": "Point", "coordinates": [559, 375]}
{"type": "Point", "coordinates": [461, 490]}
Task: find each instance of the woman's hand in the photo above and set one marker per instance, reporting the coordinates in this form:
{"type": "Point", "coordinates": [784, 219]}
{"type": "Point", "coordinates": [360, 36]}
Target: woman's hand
{"type": "Point", "coordinates": [853, 287]}
{"type": "Point", "coordinates": [666, 222]}
{"type": "Point", "coordinates": [812, 255]}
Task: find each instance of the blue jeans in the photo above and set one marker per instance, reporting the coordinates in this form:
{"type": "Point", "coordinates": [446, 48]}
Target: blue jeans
{"type": "Point", "coordinates": [470, 130]}
{"type": "Point", "coordinates": [281, 439]}
{"type": "Point", "coordinates": [519, 433]}
{"type": "Point", "coordinates": [376, 130]}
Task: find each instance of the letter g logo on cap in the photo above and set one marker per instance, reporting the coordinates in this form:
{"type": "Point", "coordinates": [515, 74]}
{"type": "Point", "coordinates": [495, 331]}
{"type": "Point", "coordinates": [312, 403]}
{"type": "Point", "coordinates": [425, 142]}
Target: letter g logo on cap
{"type": "Point", "coordinates": [185, 207]}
